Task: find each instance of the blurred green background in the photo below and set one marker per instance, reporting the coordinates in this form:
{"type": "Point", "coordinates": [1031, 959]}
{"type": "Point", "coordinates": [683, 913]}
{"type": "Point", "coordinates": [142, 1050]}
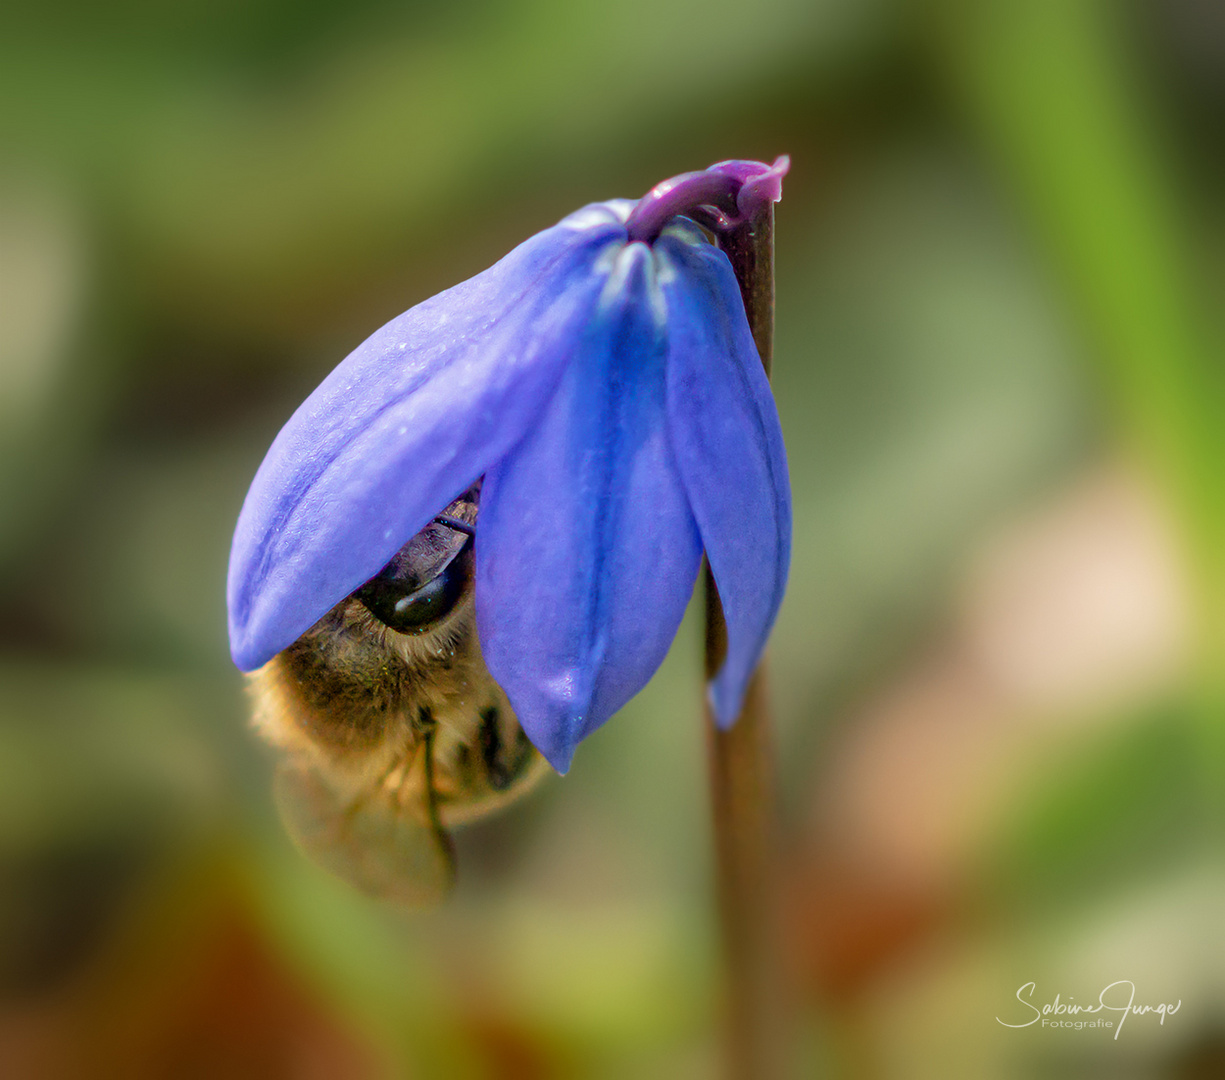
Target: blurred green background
{"type": "Point", "coordinates": [999, 670]}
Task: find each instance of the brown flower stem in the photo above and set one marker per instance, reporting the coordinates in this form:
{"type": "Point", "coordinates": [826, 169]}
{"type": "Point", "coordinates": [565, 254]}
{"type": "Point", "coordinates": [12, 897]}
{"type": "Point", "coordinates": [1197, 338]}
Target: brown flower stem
{"type": "Point", "coordinates": [742, 776]}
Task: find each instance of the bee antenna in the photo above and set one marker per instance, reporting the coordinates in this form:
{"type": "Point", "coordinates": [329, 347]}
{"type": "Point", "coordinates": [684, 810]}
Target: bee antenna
{"type": "Point", "coordinates": [456, 524]}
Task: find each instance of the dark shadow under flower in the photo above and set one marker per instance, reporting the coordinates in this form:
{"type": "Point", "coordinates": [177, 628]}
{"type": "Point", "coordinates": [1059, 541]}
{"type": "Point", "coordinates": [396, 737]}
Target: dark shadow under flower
{"type": "Point", "coordinates": [609, 392]}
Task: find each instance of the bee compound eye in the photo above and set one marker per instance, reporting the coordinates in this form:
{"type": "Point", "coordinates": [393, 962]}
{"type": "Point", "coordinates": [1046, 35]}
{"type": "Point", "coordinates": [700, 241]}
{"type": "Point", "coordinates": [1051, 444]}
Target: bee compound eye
{"type": "Point", "coordinates": [409, 606]}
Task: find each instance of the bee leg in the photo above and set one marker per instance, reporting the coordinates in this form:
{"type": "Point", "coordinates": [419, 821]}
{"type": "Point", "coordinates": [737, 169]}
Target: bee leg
{"type": "Point", "coordinates": [505, 750]}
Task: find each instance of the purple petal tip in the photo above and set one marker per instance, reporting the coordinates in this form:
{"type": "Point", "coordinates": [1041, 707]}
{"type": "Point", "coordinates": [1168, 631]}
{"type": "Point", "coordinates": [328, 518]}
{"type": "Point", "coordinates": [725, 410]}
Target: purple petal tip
{"type": "Point", "coordinates": [737, 189]}
{"type": "Point", "coordinates": [765, 187]}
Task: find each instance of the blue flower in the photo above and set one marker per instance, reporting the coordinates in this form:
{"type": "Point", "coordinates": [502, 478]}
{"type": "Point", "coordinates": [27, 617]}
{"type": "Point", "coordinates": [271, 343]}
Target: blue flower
{"type": "Point", "coordinates": [603, 380]}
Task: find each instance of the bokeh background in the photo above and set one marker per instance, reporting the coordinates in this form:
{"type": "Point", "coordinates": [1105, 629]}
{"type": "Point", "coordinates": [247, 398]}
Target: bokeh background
{"type": "Point", "coordinates": [998, 672]}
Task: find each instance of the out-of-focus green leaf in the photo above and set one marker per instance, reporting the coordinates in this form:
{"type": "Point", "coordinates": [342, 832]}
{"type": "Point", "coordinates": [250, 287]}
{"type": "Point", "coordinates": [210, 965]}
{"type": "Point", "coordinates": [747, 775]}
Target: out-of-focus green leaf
{"type": "Point", "coordinates": [1055, 90]}
{"type": "Point", "coordinates": [1115, 808]}
{"type": "Point", "coordinates": [261, 189]}
{"type": "Point", "coordinates": [926, 383]}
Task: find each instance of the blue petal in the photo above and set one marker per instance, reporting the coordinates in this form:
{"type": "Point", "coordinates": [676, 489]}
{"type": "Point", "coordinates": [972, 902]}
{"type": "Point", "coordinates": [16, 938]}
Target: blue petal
{"type": "Point", "coordinates": [404, 425]}
{"type": "Point", "coordinates": [587, 551]}
{"type": "Point", "coordinates": [729, 449]}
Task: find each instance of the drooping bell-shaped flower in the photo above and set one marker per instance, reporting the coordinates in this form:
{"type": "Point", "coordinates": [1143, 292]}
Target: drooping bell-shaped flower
{"type": "Point", "coordinates": [603, 380]}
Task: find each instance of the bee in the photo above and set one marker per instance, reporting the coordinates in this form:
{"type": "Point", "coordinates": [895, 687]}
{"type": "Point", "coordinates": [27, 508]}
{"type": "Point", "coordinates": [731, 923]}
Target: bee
{"type": "Point", "coordinates": [391, 730]}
